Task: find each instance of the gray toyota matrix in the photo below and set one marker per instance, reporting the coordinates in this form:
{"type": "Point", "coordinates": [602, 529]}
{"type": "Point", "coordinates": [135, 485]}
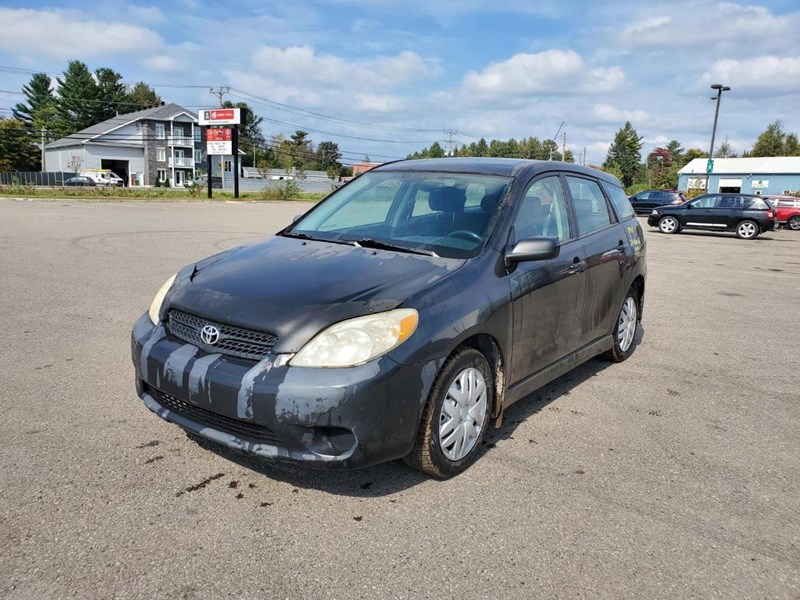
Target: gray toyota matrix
{"type": "Point", "coordinates": [400, 316]}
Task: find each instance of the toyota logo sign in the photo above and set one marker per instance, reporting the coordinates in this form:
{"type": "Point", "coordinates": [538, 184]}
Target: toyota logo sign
{"type": "Point", "coordinates": [209, 334]}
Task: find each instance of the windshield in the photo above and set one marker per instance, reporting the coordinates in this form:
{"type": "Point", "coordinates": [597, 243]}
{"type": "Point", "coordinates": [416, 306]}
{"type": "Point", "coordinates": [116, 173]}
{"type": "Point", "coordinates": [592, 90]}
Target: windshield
{"type": "Point", "coordinates": [443, 214]}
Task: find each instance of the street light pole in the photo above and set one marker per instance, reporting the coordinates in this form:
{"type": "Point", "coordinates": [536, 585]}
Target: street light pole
{"type": "Point", "coordinates": [720, 88]}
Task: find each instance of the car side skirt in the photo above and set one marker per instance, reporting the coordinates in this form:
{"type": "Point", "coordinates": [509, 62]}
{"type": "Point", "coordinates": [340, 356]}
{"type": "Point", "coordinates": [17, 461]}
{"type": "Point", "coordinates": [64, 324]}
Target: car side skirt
{"type": "Point", "coordinates": [530, 384]}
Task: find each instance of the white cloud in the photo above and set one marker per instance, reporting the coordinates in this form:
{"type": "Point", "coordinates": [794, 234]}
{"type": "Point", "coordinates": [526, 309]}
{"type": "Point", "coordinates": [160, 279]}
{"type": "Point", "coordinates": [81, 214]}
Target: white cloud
{"type": "Point", "coordinates": [605, 113]}
{"type": "Point", "coordinates": [379, 103]}
{"type": "Point", "coordinates": [737, 26]}
{"type": "Point", "coordinates": [67, 33]}
{"type": "Point", "coordinates": [302, 65]}
{"type": "Point", "coordinates": [552, 72]}
{"type": "Point", "coordinates": [163, 62]}
{"type": "Point", "coordinates": [148, 14]}
{"type": "Point", "coordinates": [763, 74]}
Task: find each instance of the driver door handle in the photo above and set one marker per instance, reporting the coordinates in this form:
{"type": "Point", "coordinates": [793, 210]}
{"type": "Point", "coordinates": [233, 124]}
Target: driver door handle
{"type": "Point", "coordinates": [578, 266]}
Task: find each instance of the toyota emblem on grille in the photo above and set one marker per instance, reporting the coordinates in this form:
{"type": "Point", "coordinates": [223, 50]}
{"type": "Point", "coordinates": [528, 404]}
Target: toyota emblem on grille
{"type": "Point", "coordinates": [209, 334]}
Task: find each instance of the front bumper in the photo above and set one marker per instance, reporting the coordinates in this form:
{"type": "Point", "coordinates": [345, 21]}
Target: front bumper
{"type": "Point", "coordinates": [353, 417]}
{"type": "Point", "coordinates": [652, 220]}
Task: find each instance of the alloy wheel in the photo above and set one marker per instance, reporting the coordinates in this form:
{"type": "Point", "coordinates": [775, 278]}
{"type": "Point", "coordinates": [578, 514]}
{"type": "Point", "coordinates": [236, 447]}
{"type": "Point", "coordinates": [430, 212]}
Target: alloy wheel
{"type": "Point", "coordinates": [668, 225]}
{"type": "Point", "coordinates": [747, 229]}
{"type": "Point", "coordinates": [794, 224]}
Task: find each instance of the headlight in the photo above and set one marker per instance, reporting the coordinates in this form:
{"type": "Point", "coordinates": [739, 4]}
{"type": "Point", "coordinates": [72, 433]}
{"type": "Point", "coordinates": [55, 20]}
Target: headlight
{"type": "Point", "coordinates": [655, 212]}
{"type": "Point", "coordinates": [356, 341]}
{"type": "Point", "coordinates": [155, 307]}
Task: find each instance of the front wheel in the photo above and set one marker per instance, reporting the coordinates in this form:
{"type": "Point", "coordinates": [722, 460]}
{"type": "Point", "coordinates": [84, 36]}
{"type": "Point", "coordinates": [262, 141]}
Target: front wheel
{"type": "Point", "coordinates": [747, 230]}
{"type": "Point", "coordinates": [794, 223]}
{"type": "Point", "coordinates": [668, 225]}
{"type": "Point", "coordinates": [456, 416]}
{"type": "Point", "coordinates": [625, 328]}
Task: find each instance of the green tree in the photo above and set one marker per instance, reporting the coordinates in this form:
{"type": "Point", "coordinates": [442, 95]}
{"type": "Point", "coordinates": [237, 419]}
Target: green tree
{"type": "Point", "coordinates": [625, 152]}
{"type": "Point", "coordinates": [142, 96]}
{"type": "Point", "coordinates": [112, 95]}
{"type": "Point", "coordinates": [39, 107]}
{"type": "Point", "coordinates": [78, 96]}
{"type": "Point", "coordinates": [301, 152]}
{"type": "Point", "coordinates": [482, 149]}
{"type": "Point", "coordinates": [774, 141]}
{"type": "Point", "coordinates": [675, 150]}
{"type": "Point", "coordinates": [328, 157]}
{"type": "Point", "coordinates": [250, 135]}
{"type": "Point", "coordinates": [18, 152]}
{"type": "Point", "coordinates": [436, 151]}
{"type": "Point", "coordinates": [724, 150]}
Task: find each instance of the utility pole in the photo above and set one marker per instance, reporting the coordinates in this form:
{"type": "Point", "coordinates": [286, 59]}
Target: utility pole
{"type": "Point", "coordinates": [555, 143]}
{"type": "Point", "coordinates": [584, 156]}
{"type": "Point", "coordinates": [564, 147]}
{"type": "Point", "coordinates": [44, 155]}
{"type": "Point", "coordinates": [450, 133]}
{"type": "Point", "coordinates": [219, 93]}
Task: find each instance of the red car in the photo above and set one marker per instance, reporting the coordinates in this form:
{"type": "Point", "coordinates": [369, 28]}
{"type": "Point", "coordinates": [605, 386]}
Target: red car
{"type": "Point", "coordinates": [788, 211]}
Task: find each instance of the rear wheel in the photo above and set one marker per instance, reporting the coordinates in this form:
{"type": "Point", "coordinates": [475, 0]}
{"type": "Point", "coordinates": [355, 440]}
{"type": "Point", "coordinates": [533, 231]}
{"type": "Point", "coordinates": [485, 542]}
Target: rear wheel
{"type": "Point", "coordinates": [456, 416]}
{"type": "Point", "coordinates": [669, 224]}
{"type": "Point", "coordinates": [625, 328]}
{"type": "Point", "coordinates": [747, 230]}
{"type": "Point", "coordinates": [794, 223]}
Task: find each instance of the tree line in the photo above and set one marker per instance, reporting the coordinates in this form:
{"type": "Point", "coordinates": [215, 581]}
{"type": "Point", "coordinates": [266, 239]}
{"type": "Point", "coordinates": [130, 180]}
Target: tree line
{"type": "Point", "coordinates": [530, 148]}
{"type": "Point", "coordinates": [80, 98]}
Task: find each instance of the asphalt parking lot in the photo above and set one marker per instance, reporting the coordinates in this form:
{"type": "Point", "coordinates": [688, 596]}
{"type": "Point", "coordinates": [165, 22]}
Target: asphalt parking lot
{"type": "Point", "coordinates": [673, 475]}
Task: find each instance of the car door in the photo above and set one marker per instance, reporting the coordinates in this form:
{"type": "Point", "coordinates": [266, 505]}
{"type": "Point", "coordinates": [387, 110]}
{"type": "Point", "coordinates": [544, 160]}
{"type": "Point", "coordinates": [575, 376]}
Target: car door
{"type": "Point", "coordinates": [546, 296]}
{"type": "Point", "coordinates": [641, 202]}
{"type": "Point", "coordinates": [704, 212]}
{"type": "Point", "coordinates": [605, 247]}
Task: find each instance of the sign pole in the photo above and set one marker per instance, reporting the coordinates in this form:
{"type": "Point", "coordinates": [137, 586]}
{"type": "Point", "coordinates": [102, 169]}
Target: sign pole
{"type": "Point", "coordinates": [208, 158]}
{"type": "Point", "coordinates": [235, 161]}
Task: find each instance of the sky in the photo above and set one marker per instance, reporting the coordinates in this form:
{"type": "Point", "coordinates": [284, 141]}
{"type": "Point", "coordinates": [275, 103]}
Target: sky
{"type": "Point", "coordinates": [386, 78]}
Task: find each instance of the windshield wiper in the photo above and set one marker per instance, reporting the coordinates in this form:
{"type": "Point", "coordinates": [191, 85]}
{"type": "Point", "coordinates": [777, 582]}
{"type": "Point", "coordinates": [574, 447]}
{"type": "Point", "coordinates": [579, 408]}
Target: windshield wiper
{"type": "Point", "coordinates": [378, 245]}
{"type": "Point", "coordinates": [304, 236]}
{"type": "Point", "coordinates": [296, 234]}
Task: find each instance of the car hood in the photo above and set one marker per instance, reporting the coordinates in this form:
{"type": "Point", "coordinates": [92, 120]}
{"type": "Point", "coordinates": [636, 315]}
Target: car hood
{"type": "Point", "coordinates": [294, 288]}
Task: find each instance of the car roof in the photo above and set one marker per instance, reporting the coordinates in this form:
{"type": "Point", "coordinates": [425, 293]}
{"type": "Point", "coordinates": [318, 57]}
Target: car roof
{"type": "Point", "coordinates": [508, 167]}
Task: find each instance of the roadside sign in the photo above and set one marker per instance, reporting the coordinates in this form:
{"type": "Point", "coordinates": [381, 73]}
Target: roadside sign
{"type": "Point", "coordinates": [710, 165]}
{"type": "Point", "coordinates": [219, 142]}
{"type": "Point", "coordinates": [220, 116]}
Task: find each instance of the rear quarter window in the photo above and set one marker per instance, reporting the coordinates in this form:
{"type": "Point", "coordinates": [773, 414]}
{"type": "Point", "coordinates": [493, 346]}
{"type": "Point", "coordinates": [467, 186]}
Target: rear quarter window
{"type": "Point", "coordinates": [755, 204]}
{"type": "Point", "coordinates": [619, 201]}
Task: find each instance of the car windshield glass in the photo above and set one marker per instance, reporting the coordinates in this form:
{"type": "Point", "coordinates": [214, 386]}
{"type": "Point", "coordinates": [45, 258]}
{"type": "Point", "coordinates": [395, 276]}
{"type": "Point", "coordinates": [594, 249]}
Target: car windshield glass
{"type": "Point", "coordinates": [449, 215]}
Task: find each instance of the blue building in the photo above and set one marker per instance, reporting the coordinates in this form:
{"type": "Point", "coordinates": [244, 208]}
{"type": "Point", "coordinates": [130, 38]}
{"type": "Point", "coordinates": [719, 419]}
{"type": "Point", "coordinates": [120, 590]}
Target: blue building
{"type": "Point", "coordinates": [764, 175]}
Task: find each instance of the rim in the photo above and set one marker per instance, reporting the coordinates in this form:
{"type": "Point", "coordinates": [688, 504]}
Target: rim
{"type": "Point", "coordinates": [747, 229]}
{"type": "Point", "coordinates": [626, 327]}
{"type": "Point", "coordinates": [463, 414]}
{"type": "Point", "coordinates": [794, 223]}
{"type": "Point", "coordinates": [668, 224]}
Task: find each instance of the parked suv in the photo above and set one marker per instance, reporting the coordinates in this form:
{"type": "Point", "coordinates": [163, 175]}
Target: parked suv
{"type": "Point", "coordinates": [400, 316]}
{"type": "Point", "coordinates": [646, 201]}
{"type": "Point", "coordinates": [787, 209]}
{"type": "Point", "coordinates": [744, 214]}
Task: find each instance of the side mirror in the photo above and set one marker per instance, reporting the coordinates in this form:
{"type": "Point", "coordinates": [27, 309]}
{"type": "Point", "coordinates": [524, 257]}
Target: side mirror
{"type": "Point", "coordinates": [532, 249]}
{"type": "Point", "coordinates": [688, 205]}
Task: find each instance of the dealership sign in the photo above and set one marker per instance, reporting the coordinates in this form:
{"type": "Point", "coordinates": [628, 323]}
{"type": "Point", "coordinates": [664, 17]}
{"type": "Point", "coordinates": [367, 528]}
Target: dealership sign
{"type": "Point", "coordinates": [219, 142]}
{"type": "Point", "coordinates": [220, 116]}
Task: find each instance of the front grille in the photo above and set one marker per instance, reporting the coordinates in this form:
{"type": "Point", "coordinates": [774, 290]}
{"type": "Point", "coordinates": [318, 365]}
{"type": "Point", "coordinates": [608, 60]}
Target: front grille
{"type": "Point", "coordinates": [233, 341]}
{"type": "Point", "coordinates": [244, 430]}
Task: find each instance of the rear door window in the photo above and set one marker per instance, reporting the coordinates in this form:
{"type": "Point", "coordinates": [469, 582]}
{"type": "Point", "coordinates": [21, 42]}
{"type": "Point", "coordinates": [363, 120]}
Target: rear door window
{"type": "Point", "coordinates": [619, 201]}
{"type": "Point", "coordinates": [591, 208]}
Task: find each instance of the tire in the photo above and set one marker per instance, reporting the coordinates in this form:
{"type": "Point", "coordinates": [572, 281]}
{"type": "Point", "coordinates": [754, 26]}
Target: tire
{"type": "Point", "coordinates": [430, 455]}
{"type": "Point", "coordinates": [669, 224]}
{"type": "Point", "coordinates": [747, 230]}
{"type": "Point", "coordinates": [794, 223]}
{"type": "Point", "coordinates": [624, 332]}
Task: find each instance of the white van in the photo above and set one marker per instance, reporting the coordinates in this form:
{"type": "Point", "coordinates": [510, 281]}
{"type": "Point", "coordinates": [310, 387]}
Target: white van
{"type": "Point", "coordinates": [105, 177]}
